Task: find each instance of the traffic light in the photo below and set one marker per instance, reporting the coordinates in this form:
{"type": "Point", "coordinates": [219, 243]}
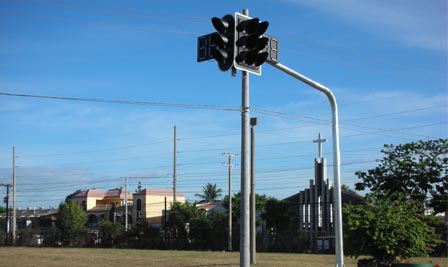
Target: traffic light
{"type": "Point", "coordinates": [250, 43]}
{"type": "Point", "coordinates": [223, 40]}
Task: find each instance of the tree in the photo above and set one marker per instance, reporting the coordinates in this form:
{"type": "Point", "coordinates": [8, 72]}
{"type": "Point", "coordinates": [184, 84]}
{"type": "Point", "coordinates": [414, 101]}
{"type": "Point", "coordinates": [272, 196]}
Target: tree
{"type": "Point", "coordinates": [110, 232]}
{"type": "Point", "coordinates": [194, 228]}
{"type": "Point", "coordinates": [142, 235]}
{"type": "Point", "coordinates": [180, 217]}
{"type": "Point", "coordinates": [210, 193]}
{"type": "Point", "coordinates": [387, 229]}
{"type": "Point", "coordinates": [277, 214]}
{"type": "Point", "coordinates": [418, 169]}
{"type": "Point", "coordinates": [260, 203]}
{"type": "Point", "coordinates": [69, 197]}
{"type": "Point", "coordinates": [70, 222]}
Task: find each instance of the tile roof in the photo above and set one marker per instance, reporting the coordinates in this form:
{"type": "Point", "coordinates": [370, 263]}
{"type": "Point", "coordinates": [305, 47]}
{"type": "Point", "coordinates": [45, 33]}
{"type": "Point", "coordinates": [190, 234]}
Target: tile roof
{"type": "Point", "coordinates": [157, 192]}
{"type": "Point", "coordinates": [116, 193]}
{"type": "Point", "coordinates": [90, 193]}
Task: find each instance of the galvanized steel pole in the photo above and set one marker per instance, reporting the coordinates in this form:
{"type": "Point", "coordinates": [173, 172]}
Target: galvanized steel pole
{"type": "Point", "coordinates": [253, 208]}
{"type": "Point", "coordinates": [245, 171]}
{"type": "Point", "coordinates": [245, 176]}
{"type": "Point", "coordinates": [336, 156]}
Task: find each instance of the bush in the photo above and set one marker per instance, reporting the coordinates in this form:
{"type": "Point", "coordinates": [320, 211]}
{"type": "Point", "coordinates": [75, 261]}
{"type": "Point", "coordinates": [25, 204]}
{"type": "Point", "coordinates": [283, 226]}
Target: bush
{"type": "Point", "coordinates": [387, 229]}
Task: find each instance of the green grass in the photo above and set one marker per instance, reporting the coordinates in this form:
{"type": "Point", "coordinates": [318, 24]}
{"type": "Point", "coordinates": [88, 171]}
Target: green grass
{"type": "Point", "coordinates": [80, 257]}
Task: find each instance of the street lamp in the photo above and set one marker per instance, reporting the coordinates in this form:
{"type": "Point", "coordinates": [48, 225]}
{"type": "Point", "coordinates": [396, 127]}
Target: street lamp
{"type": "Point", "coordinates": [253, 210]}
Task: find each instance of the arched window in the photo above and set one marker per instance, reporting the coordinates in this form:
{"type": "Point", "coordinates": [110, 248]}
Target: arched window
{"type": "Point", "coordinates": [139, 208]}
{"type": "Point", "coordinates": [92, 219]}
{"type": "Point", "coordinates": [139, 205]}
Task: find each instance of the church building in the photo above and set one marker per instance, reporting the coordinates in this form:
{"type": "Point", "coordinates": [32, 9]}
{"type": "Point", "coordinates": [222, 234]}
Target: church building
{"type": "Point", "coordinates": [313, 208]}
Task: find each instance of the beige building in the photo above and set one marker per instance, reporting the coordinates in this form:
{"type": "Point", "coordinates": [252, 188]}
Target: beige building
{"type": "Point", "coordinates": [149, 204]}
{"type": "Point", "coordinates": [98, 204]}
{"type": "Point", "coordinates": [94, 198]}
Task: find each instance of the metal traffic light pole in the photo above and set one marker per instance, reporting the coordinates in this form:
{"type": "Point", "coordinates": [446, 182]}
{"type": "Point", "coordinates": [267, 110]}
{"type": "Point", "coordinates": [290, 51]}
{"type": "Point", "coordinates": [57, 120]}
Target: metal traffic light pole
{"type": "Point", "coordinates": [251, 49]}
{"type": "Point", "coordinates": [245, 171]}
{"type": "Point", "coordinates": [336, 155]}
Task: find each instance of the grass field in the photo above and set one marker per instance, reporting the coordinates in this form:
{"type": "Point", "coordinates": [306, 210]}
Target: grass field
{"type": "Point", "coordinates": [79, 257]}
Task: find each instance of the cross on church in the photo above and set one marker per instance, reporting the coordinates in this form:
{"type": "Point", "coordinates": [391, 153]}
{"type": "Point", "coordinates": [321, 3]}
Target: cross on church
{"type": "Point", "coordinates": [319, 141]}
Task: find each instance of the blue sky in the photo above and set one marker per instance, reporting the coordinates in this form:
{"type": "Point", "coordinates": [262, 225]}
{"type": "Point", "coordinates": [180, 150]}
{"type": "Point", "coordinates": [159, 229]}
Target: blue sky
{"type": "Point", "coordinates": [385, 61]}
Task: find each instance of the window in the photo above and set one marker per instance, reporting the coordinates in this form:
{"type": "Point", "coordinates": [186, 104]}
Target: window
{"type": "Point", "coordinates": [139, 208]}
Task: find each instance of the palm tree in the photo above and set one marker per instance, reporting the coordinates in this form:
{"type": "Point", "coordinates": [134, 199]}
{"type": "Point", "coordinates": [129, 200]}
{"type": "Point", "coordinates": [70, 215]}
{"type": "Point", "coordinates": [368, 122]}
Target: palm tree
{"type": "Point", "coordinates": [210, 193]}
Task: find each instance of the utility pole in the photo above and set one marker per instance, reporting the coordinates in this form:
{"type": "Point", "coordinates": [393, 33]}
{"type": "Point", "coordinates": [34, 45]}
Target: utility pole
{"type": "Point", "coordinates": [126, 203]}
{"type": "Point", "coordinates": [174, 167]}
{"type": "Point", "coordinates": [253, 209]}
{"type": "Point", "coordinates": [164, 223]}
{"type": "Point", "coordinates": [14, 198]}
{"type": "Point", "coordinates": [230, 166]}
{"type": "Point", "coordinates": [7, 212]}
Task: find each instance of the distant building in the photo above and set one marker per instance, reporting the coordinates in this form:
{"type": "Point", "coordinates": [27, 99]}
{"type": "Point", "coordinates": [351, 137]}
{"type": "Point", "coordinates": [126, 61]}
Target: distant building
{"type": "Point", "coordinates": [36, 218]}
{"type": "Point", "coordinates": [149, 204]}
{"type": "Point", "coordinates": [211, 208]}
{"type": "Point", "coordinates": [99, 204]}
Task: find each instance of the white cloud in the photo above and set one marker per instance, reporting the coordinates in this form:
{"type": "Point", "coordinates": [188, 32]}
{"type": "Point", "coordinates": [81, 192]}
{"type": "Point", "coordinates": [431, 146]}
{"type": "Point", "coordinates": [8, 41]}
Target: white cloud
{"type": "Point", "coordinates": [421, 24]}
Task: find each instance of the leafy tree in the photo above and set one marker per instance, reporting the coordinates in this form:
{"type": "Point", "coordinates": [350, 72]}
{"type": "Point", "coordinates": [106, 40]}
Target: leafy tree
{"type": "Point", "coordinates": [110, 232]}
{"type": "Point", "coordinates": [200, 228]}
{"type": "Point", "coordinates": [277, 214]}
{"type": "Point", "coordinates": [70, 196]}
{"type": "Point", "coordinates": [260, 203]}
{"type": "Point", "coordinates": [111, 214]}
{"type": "Point", "coordinates": [387, 229]}
{"type": "Point", "coordinates": [218, 234]}
{"type": "Point", "coordinates": [2, 209]}
{"type": "Point", "coordinates": [70, 222]}
{"type": "Point", "coordinates": [195, 228]}
{"type": "Point", "coordinates": [347, 189]}
{"type": "Point", "coordinates": [418, 169]}
{"type": "Point", "coordinates": [143, 235]}
{"type": "Point", "coordinates": [210, 193]}
{"type": "Point", "coordinates": [181, 214]}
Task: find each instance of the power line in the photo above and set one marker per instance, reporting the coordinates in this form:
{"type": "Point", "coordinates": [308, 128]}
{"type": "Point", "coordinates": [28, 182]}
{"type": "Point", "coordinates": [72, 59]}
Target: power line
{"type": "Point", "coordinates": [101, 24]}
{"type": "Point", "coordinates": [126, 102]}
{"type": "Point", "coordinates": [361, 54]}
{"type": "Point", "coordinates": [396, 113]}
{"type": "Point", "coordinates": [214, 107]}
{"type": "Point", "coordinates": [95, 150]}
{"type": "Point", "coordinates": [116, 11]}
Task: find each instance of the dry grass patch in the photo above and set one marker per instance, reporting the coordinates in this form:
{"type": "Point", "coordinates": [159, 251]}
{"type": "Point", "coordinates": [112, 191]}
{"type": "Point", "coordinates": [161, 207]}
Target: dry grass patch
{"type": "Point", "coordinates": [80, 257]}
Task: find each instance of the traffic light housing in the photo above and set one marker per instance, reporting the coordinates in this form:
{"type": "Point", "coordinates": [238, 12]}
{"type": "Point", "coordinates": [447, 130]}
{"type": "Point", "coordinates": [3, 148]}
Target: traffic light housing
{"type": "Point", "coordinates": [223, 41]}
{"type": "Point", "coordinates": [250, 43]}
